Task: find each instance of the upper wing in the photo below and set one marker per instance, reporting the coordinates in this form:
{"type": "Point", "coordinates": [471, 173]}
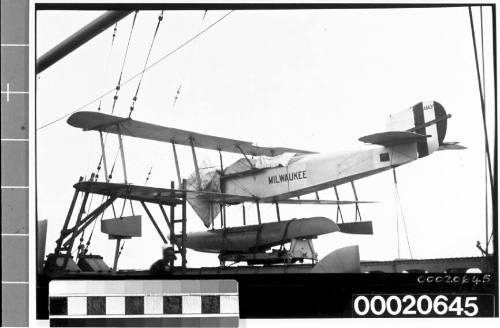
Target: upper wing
{"type": "Point", "coordinates": [393, 138]}
{"type": "Point", "coordinates": [127, 126]}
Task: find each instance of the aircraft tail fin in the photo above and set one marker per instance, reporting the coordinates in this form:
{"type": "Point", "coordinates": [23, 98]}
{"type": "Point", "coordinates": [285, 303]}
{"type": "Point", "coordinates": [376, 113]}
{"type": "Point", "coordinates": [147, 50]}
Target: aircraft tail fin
{"type": "Point", "coordinates": [425, 118]}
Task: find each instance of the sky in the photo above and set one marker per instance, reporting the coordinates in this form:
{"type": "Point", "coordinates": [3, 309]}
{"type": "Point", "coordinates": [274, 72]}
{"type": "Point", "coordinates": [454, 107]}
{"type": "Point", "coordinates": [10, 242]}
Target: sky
{"type": "Point", "coordinates": [306, 79]}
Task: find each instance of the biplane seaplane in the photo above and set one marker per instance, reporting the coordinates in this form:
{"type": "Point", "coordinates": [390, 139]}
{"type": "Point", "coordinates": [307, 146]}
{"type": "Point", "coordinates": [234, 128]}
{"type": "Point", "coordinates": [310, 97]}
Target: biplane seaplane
{"type": "Point", "coordinates": [273, 175]}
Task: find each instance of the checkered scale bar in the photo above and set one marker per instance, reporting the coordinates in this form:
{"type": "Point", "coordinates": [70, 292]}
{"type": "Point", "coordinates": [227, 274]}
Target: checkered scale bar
{"type": "Point", "coordinates": [153, 303]}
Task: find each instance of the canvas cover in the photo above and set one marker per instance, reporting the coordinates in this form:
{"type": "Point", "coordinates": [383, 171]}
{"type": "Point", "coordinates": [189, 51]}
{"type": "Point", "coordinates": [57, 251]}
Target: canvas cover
{"type": "Point", "coordinates": [210, 181]}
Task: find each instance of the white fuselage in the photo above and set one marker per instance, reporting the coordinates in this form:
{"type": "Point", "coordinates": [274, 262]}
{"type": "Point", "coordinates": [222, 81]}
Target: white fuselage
{"type": "Point", "coordinates": [310, 173]}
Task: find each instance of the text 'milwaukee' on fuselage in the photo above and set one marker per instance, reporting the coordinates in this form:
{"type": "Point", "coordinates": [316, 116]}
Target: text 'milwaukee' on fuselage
{"type": "Point", "coordinates": [313, 172]}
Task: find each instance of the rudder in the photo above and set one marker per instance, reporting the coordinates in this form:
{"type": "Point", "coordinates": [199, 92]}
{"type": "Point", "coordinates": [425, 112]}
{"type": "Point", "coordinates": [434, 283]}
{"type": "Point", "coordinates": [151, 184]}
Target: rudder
{"type": "Point", "coordinates": [426, 118]}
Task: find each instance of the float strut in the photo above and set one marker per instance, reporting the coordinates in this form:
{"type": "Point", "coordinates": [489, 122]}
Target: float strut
{"type": "Point", "coordinates": [258, 212]}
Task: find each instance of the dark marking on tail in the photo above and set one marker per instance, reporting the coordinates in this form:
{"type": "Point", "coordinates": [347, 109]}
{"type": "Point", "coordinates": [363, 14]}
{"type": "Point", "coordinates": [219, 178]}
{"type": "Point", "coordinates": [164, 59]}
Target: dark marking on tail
{"type": "Point", "coordinates": [441, 118]}
{"type": "Point", "coordinates": [418, 116]}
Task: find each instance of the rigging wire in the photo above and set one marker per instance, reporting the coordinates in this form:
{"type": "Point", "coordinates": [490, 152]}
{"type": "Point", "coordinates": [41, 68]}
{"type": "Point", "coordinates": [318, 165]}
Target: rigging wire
{"type": "Point", "coordinates": [397, 212]}
{"type": "Point", "coordinates": [177, 94]}
{"type": "Point", "coordinates": [108, 60]}
{"type": "Point", "coordinates": [397, 226]}
{"type": "Point", "coordinates": [485, 158]}
{"type": "Point", "coordinates": [398, 205]}
{"type": "Point", "coordinates": [102, 201]}
{"type": "Point", "coordinates": [482, 94]}
{"type": "Point", "coordinates": [86, 246]}
{"type": "Point", "coordinates": [404, 225]}
{"type": "Point", "coordinates": [160, 18]}
{"type": "Point", "coordinates": [118, 85]}
{"type": "Point", "coordinates": [483, 110]}
{"type": "Point", "coordinates": [189, 69]}
{"type": "Point", "coordinates": [148, 176]}
{"type": "Point", "coordinates": [126, 81]}
{"type": "Point", "coordinates": [105, 75]}
{"type": "Point", "coordinates": [123, 243]}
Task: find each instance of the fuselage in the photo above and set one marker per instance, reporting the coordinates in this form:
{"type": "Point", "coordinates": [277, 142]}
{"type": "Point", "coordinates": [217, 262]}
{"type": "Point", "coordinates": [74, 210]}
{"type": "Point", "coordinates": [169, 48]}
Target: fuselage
{"type": "Point", "coordinates": [314, 172]}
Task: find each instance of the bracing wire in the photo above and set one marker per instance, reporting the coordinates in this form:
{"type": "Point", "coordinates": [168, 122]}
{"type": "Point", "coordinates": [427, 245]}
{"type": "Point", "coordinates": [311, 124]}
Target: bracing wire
{"type": "Point", "coordinates": [118, 85]}
{"type": "Point", "coordinates": [148, 176]}
{"type": "Point", "coordinates": [177, 94]}
{"type": "Point", "coordinates": [483, 110]}
{"type": "Point", "coordinates": [485, 156]}
{"type": "Point", "coordinates": [132, 107]}
{"type": "Point", "coordinates": [399, 210]}
{"type": "Point", "coordinates": [85, 249]}
{"type": "Point", "coordinates": [108, 61]}
{"type": "Point", "coordinates": [397, 226]}
{"type": "Point", "coordinates": [106, 72]}
{"type": "Point", "coordinates": [129, 79]}
{"type": "Point", "coordinates": [404, 224]}
{"type": "Point", "coordinates": [482, 94]}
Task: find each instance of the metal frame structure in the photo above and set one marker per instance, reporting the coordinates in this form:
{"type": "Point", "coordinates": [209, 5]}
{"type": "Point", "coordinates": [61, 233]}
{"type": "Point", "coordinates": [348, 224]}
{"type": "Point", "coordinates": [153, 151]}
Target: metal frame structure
{"type": "Point", "coordinates": [65, 242]}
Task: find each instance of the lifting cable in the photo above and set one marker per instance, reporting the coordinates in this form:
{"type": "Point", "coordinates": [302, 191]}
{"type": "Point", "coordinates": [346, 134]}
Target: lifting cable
{"type": "Point", "coordinates": [177, 94]}
{"type": "Point", "coordinates": [108, 61]}
{"type": "Point", "coordinates": [483, 110]}
{"type": "Point", "coordinates": [105, 75]}
{"type": "Point", "coordinates": [102, 214]}
{"type": "Point", "coordinates": [482, 95]}
{"type": "Point", "coordinates": [106, 71]}
{"type": "Point", "coordinates": [160, 18]}
{"type": "Point", "coordinates": [487, 240]}
{"type": "Point", "coordinates": [139, 73]}
{"type": "Point", "coordinates": [147, 178]}
{"type": "Point", "coordinates": [118, 85]}
{"type": "Point", "coordinates": [400, 207]}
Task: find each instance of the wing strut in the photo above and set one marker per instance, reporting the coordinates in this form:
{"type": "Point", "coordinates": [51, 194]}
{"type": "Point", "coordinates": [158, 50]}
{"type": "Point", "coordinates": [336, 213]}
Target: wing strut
{"type": "Point", "coordinates": [338, 206]}
{"type": "Point", "coordinates": [197, 170]}
{"type": "Point", "coordinates": [244, 214]}
{"type": "Point", "coordinates": [258, 212]}
{"type": "Point", "coordinates": [241, 150]}
{"type": "Point", "coordinates": [278, 211]}
{"type": "Point", "coordinates": [357, 206]}
{"type": "Point", "coordinates": [176, 163]}
{"type": "Point", "coordinates": [122, 153]}
{"type": "Point", "coordinates": [222, 205]}
{"type": "Point", "coordinates": [105, 165]}
{"type": "Point", "coordinates": [104, 158]}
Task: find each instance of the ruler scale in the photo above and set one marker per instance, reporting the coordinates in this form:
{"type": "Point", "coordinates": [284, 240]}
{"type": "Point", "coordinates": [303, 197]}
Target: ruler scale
{"type": "Point", "coordinates": [14, 152]}
{"type": "Point", "coordinates": [150, 303]}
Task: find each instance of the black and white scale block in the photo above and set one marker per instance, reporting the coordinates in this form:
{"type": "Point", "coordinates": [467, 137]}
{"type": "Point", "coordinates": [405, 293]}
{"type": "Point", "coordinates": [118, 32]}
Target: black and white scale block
{"type": "Point", "coordinates": [153, 303]}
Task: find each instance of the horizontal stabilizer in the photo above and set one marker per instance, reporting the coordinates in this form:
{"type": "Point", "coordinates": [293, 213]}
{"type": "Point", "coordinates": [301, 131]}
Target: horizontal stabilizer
{"type": "Point", "coordinates": [320, 202]}
{"type": "Point", "coordinates": [393, 138]}
{"type": "Point", "coordinates": [358, 228]}
{"type": "Point", "coordinates": [128, 127]}
{"type": "Point", "coordinates": [451, 146]}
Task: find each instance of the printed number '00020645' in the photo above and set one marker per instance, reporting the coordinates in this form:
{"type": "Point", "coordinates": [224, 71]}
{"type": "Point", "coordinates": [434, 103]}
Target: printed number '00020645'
{"type": "Point", "coordinates": [414, 306]}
